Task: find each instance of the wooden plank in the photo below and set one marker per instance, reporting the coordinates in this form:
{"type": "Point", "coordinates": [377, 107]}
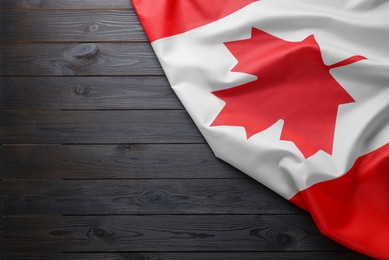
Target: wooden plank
{"type": "Point", "coordinates": [128, 126]}
{"type": "Point", "coordinates": [87, 93]}
{"type": "Point", "coordinates": [152, 196]}
{"type": "Point", "coordinates": [64, 59]}
{"type": "Point", "coordinates": [112, 161]}
{"type": "Point", "coordinates": [70, 26]}
{"type": "Point", "coordinates": [163, 233]}
{"type": "Point", "coordinates": [68, 4]}
{"type": "Point", "coordinates": [198, 256]}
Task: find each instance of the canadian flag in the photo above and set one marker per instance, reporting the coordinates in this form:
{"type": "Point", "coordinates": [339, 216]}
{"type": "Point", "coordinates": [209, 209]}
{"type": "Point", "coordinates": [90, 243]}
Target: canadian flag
{"type": "Point", "coordinates": [295, 93]}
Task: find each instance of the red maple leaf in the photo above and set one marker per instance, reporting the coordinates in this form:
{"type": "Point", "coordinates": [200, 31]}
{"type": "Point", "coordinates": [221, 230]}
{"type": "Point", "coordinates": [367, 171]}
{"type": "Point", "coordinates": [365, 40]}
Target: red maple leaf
{"type": "Point", "coordinates": [293, 84]}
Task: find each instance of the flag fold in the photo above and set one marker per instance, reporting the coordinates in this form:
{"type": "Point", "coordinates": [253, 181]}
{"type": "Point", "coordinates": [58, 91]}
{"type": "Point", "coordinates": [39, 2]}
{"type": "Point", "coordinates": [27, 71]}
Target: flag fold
{"type": "Point", "coordinates": [295, 93]}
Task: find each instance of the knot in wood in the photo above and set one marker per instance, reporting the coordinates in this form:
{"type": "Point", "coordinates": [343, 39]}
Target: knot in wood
{"type": "Point", "coordinates": [83, 50]}
{"type": "Point", "coordinates": [93, 27]}
{"type": "Point", "coordinates": [127, 146]}
{"type": "Point", "coordinates": [99, 232]}
{"type": "Point", "coordinates": [156, 197]}
{"type": "Point", "coordinates": [81, 90]}
{"type": "Point", "coordinates": [284, 240]}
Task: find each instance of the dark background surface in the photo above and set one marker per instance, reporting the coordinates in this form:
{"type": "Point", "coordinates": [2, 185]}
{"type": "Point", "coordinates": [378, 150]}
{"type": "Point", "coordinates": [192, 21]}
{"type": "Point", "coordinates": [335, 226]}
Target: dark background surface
{"type": "Point", "coordinates": [99, 160]}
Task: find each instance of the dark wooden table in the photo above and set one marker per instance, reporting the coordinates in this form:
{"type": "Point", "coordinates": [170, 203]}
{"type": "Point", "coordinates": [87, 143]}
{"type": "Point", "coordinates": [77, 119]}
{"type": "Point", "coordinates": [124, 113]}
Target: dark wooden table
{"type": "Point", "coordinates": [98, 159]}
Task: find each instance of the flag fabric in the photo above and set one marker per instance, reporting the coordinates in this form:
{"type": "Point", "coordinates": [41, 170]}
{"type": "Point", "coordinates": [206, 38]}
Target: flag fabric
{"type": "Point", "coordinates": [295, 93]}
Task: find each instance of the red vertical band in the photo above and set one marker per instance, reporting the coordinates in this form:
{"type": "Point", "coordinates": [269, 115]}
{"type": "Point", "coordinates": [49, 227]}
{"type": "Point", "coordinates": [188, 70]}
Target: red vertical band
{"type": "Point", "coordinates": [164, 18]}
{"type": "Point", "coordinates": [354, 209]}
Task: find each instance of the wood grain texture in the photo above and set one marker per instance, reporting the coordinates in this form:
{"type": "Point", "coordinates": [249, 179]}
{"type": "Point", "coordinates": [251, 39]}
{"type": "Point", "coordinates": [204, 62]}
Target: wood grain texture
{"type": "Point", "coordinates": [129, 161]}
{"type": "Point", "coordinates": [153, 196]}
{"type": "Point", "coordinates": [68, 4]}
{"type": "Point", "coordinates": [32, 93]}
{"type": "Point", "coordinates": [129, 126]}
{"type": "Point", "coordinates": [198, 256]}
{"type": "Point", "coordinates": [70, 26]}
{"type": "Point", "coordinates": [85, 59]}
{"type": "Point", "coordinates": [161, 233]}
